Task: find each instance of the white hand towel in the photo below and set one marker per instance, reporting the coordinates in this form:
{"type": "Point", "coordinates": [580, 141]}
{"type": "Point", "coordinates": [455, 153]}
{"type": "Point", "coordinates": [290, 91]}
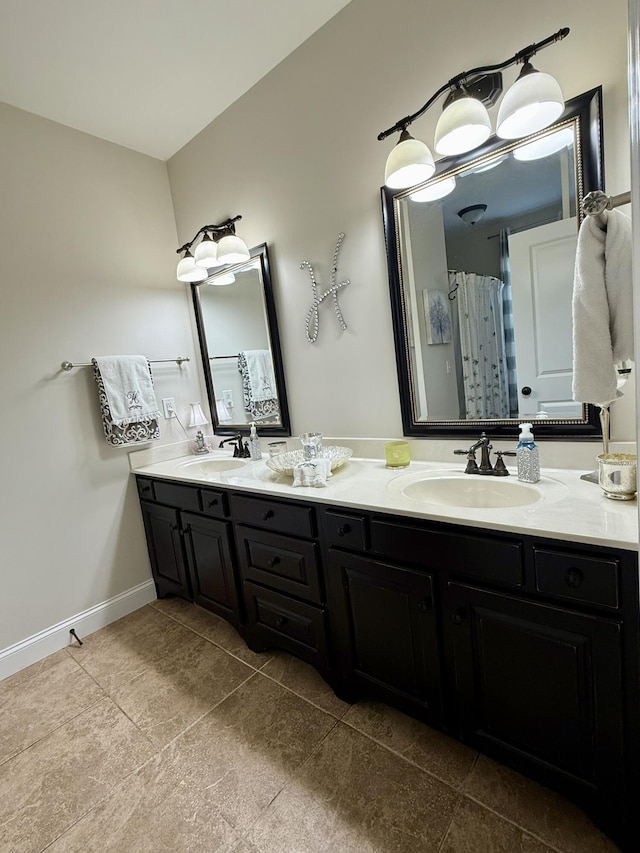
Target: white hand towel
{"type": "Point", "coordinates": [262, 380]}
{"type": "Point", "coordinates": [602, 306]}
{"type": "Point", "coordinates": [314, 472]}
{"type": "Point", "coordinates": [129, 388]}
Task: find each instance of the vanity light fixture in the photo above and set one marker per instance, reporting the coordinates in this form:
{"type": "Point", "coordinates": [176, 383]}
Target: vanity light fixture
{"type": "Point", "coordinates": [532, 103]}
{"type": "Point", "coordinates": [544, 146]}
{"type": "Point", "coordinates": [434, 191]}
{"type": "Point", "coordinates": [219, 246]}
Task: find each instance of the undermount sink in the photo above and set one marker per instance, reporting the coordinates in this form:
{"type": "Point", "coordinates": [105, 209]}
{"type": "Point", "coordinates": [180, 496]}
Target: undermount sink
{"type": "Point", "coordinates": [214, 466]}
{"type": "Point", "coordinates": [465, 490]}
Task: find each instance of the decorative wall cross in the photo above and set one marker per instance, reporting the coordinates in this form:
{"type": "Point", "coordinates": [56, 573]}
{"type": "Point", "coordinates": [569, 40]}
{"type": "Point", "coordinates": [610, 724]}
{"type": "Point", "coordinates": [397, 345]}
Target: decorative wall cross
{"type": "Point", "coordinates": [312, 323]}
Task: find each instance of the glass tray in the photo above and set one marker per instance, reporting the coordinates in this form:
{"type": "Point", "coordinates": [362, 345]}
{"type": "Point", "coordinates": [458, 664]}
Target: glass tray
{"type": "Point", "coordinates": [284, 463]}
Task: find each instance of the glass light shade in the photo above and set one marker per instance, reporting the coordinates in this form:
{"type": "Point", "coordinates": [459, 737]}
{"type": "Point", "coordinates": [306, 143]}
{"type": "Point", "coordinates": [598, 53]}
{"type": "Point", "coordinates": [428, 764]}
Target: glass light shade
{"type": "Point", "coordinates": [206, 254]}
{"type": "Point", "coordinates": [545, 146]}
{"type": "Point", "coordinates": [232, 250]}
{"type": "Point", "coordinates": [408, 164]}
{"type": "Point", "coordinates": [223, 278]}
{"type": "Point", "coordinates": [463, 126]}
{"type": "Point", "coordinates": [533, 102]}
{"type": "Point", "coordinates": [188, 270]}
{"type": "Point", "coordinates": [198, 417]}
{"type": "Point", "coordinates": [435, 191]}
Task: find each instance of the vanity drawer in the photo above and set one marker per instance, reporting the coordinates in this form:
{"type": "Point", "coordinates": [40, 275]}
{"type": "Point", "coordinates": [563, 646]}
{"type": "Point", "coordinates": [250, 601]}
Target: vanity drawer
{"type": "Point", "coordinates": [345, 530]}
{"type": "Point", "coordinates": [145, 489]}
{"type": "Point", "coordinates": [588, 579]}
{"type": "Point", "coordinates": [214, 503]}
{"type": "Point", "coordinates": [489, 558]}
{"type": "Point", "coordinates": [287, 623]}
{"type": "Point", "coordinates": [274, 515]}
{"type": "Point", "coordinates": [287, 564]}
{"type": "Point", "coordinates": [175, 494]}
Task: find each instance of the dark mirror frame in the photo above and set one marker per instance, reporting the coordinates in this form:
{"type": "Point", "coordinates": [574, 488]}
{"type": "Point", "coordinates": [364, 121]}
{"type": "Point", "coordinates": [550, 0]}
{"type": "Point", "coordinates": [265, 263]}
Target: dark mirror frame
{"type": "Point", "coordinates": [284, 427]}
{"type": "Point", "coordinates": [586, 111]}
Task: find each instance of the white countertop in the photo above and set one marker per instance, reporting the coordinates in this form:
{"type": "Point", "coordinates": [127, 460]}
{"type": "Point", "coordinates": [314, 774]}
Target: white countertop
{"type": "Point", "coordinates": [569, 508]}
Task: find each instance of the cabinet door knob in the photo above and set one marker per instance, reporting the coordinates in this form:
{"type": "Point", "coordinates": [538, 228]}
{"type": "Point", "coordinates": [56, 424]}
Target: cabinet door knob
{"type": "Point", "coordinates": [573, 578]}
{"type": "Point", "coordinates": [344, 529]}
{"type": "Point", "coordinates": [281, 621]}
{"type": "Point", "coordinates": [145, 490]}
{"type": "Point", "coordinates": [273, 562]}
{"type": "Point", "coordinates": [213, 502]}
{"type": "Point", "coordinates": [424, 605]}
{"type": "Point", "coordinates": [267, 515]}
{"type": "Point", "coordinates": [457, 617]}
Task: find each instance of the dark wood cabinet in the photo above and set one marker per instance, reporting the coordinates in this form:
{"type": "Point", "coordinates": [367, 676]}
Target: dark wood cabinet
{"type": "Point", "coordinates": [166, 551]}
{"type": "Point", "coordinates": [540, 688]}
{"type": "Point", "coordinates": [526, 648]}
{"type": "Point", "coordinates": [387, 631]}
{"type": "Point", "coordinates": [280, 569]}
{"type": "Point", "coordinates": [209, 559]}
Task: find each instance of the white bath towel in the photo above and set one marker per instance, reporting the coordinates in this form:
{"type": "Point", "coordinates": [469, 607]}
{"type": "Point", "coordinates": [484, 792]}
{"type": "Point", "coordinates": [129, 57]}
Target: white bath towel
{"type": "Point", "coordinates": [602, 306]}
{"type": "Point", "coordinates": [129, 388]}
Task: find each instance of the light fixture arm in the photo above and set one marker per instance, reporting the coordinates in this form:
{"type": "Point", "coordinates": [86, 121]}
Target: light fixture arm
{"type": "Point", "coordinates": [523, 56]}
{"type": "Point", "coordinates": [226, 227]}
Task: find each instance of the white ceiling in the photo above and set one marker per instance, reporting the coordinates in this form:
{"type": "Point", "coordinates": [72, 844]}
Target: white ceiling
{"type": "Point", "coordinates": [146, 74]}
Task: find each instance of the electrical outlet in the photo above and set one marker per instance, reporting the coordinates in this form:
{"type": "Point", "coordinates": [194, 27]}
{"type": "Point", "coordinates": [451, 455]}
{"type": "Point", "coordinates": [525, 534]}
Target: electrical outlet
{"type": "Point", "coordinates": [169, 407]}
{"type": "Point", "coordinates": [227, 397]}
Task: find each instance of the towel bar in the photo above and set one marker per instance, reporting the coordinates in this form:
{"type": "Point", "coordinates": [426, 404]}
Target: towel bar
{"type": "Point", "coordinates": [69, 365]}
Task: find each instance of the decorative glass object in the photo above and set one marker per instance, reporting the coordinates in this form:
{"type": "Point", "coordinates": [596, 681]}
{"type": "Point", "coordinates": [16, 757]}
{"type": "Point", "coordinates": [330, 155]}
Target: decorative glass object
{"type": "Point", "coordinates": [284, 463]}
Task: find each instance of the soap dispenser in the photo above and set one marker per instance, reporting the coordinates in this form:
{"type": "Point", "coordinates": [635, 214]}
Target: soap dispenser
{"type": "Point", "coordinates": [527, 456]}
{"type": "Point", "coordinates": [254, 443]}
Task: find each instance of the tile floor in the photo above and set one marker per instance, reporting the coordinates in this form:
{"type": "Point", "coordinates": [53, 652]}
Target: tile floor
{"type": "Point", "coordinates": [163, 732]}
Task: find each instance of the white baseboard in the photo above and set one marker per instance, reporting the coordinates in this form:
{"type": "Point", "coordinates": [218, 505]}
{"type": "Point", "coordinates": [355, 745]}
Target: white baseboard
{"type": "Point", "coordinates": [33, 649]}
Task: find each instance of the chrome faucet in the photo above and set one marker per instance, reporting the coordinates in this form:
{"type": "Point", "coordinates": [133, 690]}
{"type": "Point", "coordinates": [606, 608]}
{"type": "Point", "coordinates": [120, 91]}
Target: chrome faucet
{"type": "Point", "coordinates": [484, 443]}
{"type": "Point", "coordinates": [240, 449]}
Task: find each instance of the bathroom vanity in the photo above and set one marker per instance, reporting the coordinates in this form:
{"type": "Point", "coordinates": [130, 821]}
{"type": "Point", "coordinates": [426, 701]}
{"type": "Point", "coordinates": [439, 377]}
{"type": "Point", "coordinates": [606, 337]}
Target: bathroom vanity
{"type": "Point", "coordinates": [513, 629]}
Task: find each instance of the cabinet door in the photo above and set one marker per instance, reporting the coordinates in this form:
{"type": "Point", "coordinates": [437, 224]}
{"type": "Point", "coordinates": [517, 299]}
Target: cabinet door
{"type": "Point", "coordinates": [388, 630]}
{"type": "Point", "coordinates": [540, 688]}
{"type": "Point", "coordinates": [210, 564]}
{"type": "Point", "coordinates": [166, 553]}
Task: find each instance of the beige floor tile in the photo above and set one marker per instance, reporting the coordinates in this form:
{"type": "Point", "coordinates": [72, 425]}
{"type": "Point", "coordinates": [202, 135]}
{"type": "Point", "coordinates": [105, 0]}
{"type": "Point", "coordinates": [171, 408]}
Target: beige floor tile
{"type": "Point", "coordinates": [443, 756]}
{"type": "Point", "coordinates": [48, 786]}
{"type": "Point", "coordinates": [355, 795]}
{"type": "Point", "coordinates": [12, 681]}
{"type": "Point", "coordinates": [39, 704]}
{"type": "Point", "coordinates": [550, 817]}
{"type": "Point", "coordinates": [476, 830]}
{"type": "Point", "coordinates": [126, 648]}
{"type": "Point", "coordinates": [173, 693]}
{"type": "Point", "coordinates": [153, 811]}
{"type": "Point", "coordinates": [245, 749]}
{"type": "Point", "coordinates": [306, 681]}
{"type": "Point", "coordinates": [211, 627]}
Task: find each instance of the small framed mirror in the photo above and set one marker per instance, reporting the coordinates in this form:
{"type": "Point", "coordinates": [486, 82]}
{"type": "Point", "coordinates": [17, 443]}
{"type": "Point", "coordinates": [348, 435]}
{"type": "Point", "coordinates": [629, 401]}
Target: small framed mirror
{"type": "Point", "coordinates": [480, 262]}
{"type": "Point", "coordinates": [240, 346]}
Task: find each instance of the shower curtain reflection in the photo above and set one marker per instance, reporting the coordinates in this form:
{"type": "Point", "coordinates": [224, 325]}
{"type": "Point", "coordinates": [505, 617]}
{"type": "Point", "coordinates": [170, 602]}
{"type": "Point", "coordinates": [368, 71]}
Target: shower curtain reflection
{"type": "Point", "coordinates": [481, 328]}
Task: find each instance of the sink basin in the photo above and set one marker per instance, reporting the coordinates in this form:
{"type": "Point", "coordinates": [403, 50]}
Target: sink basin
{"type": "Point", "coordinates": [213, 466]}
{"type": "Point", "coordinates": [483, 492]}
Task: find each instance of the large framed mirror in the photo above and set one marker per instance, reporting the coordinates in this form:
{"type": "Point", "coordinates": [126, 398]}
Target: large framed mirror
{"type": "Point", "coordinates": [240, 346]}
{"type": "Point", "coordinates": [480, 262]}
